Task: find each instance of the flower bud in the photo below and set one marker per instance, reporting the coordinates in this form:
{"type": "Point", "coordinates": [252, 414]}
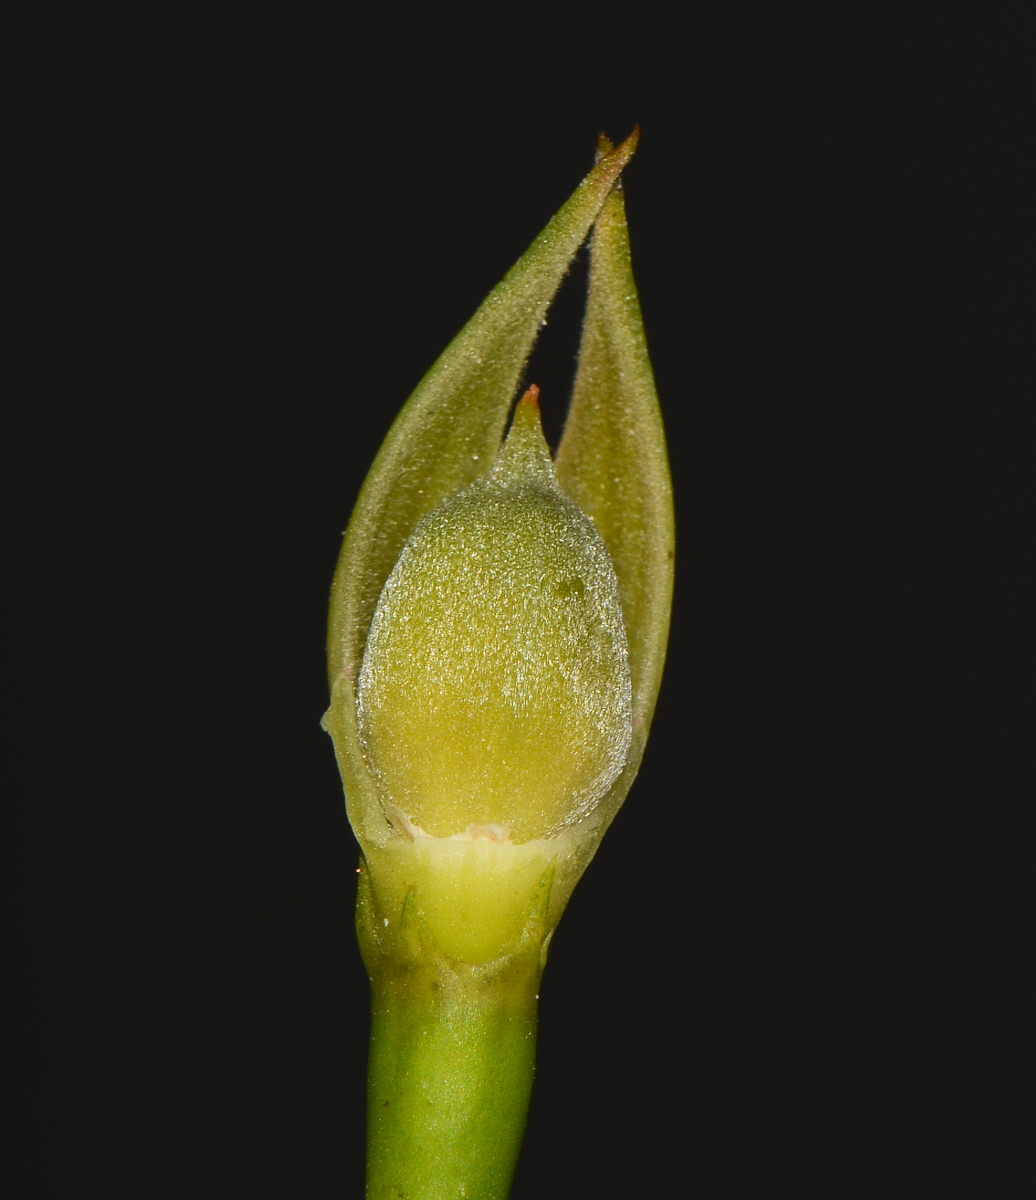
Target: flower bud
{"type": "Point", "coordinates": [494, 694]}
{"type": "Point", "coordinates": [496, 637]}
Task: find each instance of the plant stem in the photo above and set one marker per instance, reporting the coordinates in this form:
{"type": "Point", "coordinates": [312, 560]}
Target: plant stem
{"type": "Point", "coordinates": [450, 1073]}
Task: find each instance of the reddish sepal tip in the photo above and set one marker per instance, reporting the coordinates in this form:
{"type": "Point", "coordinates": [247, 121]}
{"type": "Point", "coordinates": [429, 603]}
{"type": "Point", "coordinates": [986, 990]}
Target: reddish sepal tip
{"type": "Point", "coordinates": [532, 396]}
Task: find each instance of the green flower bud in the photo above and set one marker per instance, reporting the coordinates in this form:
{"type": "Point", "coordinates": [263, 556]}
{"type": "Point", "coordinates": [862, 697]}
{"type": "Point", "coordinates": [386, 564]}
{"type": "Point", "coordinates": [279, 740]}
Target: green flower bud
{"type": "Point", "coordinates": [494, 696]}
{"type": "Point", "coordinates": [495, 647]}
{"type": "Point", "coordinates": [496, 635]}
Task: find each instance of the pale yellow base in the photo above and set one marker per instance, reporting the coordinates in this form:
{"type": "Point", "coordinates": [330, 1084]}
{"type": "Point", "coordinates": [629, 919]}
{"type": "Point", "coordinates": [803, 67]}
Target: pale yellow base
{"type": "Point", "coordinates": [475, 894]}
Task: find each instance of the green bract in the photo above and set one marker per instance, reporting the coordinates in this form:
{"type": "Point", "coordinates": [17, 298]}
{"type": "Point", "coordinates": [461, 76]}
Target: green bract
{"type": "Point", "coordinates": [497, 633]}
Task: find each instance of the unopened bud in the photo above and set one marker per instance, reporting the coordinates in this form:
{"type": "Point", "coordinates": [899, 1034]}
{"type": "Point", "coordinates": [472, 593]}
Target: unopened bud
{"type": "Point", "coordinates": [494, 695]}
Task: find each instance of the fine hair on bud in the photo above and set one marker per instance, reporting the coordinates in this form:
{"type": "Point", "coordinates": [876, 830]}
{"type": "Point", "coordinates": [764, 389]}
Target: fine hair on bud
{"type": "Point", "coordinates": [494, 693]}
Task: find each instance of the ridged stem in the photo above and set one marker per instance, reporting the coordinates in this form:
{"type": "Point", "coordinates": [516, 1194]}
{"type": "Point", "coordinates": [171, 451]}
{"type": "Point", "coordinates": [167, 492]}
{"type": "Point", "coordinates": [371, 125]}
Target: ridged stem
{"type": "Point", "coordinates": [449, 1078]}
{"type": "Point", "coordinates": [452, 1054]}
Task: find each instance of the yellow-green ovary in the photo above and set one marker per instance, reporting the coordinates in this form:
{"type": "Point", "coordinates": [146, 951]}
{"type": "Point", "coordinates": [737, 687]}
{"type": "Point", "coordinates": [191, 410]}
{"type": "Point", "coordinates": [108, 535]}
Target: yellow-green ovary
{"type": "Point", "coordinates": [495, 690]}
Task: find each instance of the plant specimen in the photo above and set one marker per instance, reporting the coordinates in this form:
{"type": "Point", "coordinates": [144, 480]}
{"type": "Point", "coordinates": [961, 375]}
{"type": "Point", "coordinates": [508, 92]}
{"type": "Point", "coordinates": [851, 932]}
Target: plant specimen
{"type": "Point", "coordinates": [497, 634]}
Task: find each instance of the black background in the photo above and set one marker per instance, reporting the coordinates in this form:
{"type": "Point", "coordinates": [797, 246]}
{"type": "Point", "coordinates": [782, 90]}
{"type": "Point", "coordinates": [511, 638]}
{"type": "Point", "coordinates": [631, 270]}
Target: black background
{"type": "Point", "coordinates": [797, 966]}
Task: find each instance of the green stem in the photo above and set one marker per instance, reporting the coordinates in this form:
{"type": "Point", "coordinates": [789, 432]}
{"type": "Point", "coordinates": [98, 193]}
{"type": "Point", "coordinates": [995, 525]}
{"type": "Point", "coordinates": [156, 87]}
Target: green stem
{"type": "Point", "coordinates": [450, 1072]}
{"type": "Point", "coordinates": [453, 1041]}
